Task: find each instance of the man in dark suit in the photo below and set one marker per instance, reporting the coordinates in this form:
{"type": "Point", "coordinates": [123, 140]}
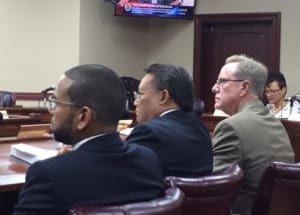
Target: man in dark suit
{"type": "Point", "coordinates": [167, 124]}
{"type": "Point", "coordinates": [251, 136]}
{"type": "Point", "coordinates": [87, 105]}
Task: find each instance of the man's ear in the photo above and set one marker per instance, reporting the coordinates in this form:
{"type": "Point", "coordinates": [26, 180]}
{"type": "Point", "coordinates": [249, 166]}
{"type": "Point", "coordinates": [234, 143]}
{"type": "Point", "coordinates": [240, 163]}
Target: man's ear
{"type": "Point", "coordinates": [245, 87]}
{"type": "Point", "coordinates": [84, 116]}
{"type": "Point", "coordinates": [165, 96]}
{"type": "Point", "coordinates": [284, 90]}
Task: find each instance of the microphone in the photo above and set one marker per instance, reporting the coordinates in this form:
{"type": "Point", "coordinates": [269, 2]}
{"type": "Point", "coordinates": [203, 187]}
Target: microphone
{"type": "Point", "coordinates": [292, 99]}
{"type": "Point", "coordinates": [45, 91]}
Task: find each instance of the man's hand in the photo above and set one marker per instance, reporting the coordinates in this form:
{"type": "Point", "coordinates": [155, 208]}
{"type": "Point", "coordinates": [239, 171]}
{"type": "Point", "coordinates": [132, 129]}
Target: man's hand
{"type": "Point", "coordinates": [64, 149]}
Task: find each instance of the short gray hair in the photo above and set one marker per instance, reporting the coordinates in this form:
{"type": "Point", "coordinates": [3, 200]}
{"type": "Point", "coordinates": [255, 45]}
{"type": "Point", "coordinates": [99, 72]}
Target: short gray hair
{"type": "Point", "coordinates": [252, 70]}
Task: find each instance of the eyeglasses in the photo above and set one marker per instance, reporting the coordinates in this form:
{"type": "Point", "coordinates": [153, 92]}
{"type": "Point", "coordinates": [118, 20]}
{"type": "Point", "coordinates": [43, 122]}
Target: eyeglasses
{"type": "Point", "coordinates": [224, 80]}
{"type": "Point", "coordinates": [52, 103]}
{"type": "Point", "coordinates": [137, 95]}
{"type": "Point", "coordinates": [271, 92]}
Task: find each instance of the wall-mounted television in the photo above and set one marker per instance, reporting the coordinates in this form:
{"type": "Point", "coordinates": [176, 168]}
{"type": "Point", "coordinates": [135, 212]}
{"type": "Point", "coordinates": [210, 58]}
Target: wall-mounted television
{"type": "Point", "coordinates": [182, 9]}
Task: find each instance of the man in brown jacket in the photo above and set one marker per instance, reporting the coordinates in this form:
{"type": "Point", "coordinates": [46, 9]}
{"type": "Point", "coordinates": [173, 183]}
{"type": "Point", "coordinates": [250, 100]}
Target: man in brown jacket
{"type": "Point", "coordinates": [250, 136]}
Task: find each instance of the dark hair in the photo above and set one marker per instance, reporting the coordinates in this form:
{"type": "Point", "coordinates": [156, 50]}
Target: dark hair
{"type": "Point", "coordinates": [278, 77]}
{"type": "Point", "coordinates": [99, 88]}
{"type": "Point", "coordinates": [177, 81]}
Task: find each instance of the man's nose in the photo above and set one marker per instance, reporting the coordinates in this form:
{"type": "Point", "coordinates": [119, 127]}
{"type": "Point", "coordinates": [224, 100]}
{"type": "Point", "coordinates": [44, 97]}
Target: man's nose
{"type": "Point", "coordinates": [214, 88]}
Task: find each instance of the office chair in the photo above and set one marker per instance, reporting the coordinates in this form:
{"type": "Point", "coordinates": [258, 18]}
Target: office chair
{"type": "Point", "coordinates": [7, 99]}
{"type": "Point", "coordinates": [212, 194]}
{"type": "Point", "coordinates": [131, 85]}
{"type": "Point", "coordinates": [199, 106]}
{"type": "Point", "coordinates": [279, 191]}
{"type": "Point", "coordinates": [168, 204]}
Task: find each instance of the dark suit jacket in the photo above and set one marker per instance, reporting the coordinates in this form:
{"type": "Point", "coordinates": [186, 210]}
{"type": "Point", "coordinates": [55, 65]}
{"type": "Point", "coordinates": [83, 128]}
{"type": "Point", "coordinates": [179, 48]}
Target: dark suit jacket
{"type": "Point", "coordinates": [102, 171]}
{"type": "Point", "coordinates": [181, 142]}
{"type": "Point", "coordinates": [251, 138]}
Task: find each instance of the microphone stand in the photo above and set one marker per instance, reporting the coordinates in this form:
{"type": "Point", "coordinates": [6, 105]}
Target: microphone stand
{"type": "Point", "coordinates": [292, 103]}
{"type": "Point", "coordinates": [45, 97]}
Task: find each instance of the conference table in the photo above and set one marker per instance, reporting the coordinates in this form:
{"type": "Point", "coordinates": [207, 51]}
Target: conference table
{"type": "Point", "coordinates": [13, 170]}
{"type": "Point", "coordinates": [22, 116]}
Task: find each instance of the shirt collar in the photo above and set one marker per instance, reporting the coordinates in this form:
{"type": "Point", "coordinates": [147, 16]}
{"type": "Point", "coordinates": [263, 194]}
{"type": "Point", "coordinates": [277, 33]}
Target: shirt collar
{"type": "Point", "coordinates": [168, 111]}
{"type": "Point", "coordinates": [80, 143]}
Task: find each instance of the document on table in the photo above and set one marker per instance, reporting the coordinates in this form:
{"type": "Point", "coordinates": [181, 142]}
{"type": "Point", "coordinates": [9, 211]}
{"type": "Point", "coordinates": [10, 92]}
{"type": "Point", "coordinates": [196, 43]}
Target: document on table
{"type": "Point", "coordinates": [30, 154]}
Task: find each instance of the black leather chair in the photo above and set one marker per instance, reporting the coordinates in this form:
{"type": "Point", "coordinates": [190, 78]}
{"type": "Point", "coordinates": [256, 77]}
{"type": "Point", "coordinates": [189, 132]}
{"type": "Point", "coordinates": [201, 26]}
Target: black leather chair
{"type": "Point", "coordinates": [131, 85]}
{"type": "Point", "coordinates": [168, 204]}
{"type": "Point", "coordinates": [279, 191]}
{"type": "Point", "coordinates": [199, 106]}
{"type": "Point", "coordinates": [7, 99]}
{"type": "Point", "coordinates": [212, 194]}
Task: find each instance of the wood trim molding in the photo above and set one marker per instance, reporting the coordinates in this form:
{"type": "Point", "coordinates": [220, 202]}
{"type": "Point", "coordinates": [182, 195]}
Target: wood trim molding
{"type": "Point", "coordinates": [29, 96]}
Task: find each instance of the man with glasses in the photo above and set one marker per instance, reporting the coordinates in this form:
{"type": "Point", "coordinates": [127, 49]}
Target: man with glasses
{"type": "Point", "coordinates": [250, 136]}
{"type": "Point", "coordinates": [166, 122]}
{"type": "Point", "coordinates": [100, 170]}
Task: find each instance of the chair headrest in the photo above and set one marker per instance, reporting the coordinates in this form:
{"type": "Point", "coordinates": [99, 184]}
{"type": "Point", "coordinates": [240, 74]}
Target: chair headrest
{"type": "Point", "coordinates": [209, 185]}
{"type": "Point", "coordinates": [168, 204]}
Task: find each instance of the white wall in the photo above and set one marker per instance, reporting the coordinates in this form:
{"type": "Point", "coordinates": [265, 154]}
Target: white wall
{"type": "Point", "coordinates": [117, 42]}
{"type": "Point", "coordinates": [172, 41]}
{"type": "Point", "coordinates": [38, 41]}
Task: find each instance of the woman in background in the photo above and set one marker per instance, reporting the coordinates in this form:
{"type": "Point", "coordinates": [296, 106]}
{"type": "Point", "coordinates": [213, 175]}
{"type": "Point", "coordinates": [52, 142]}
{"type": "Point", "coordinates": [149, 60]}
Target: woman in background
{"type": "Point", "coordinates": [275, 92]}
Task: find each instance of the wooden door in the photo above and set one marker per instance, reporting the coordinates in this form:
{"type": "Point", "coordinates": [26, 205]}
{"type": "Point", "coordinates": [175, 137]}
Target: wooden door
{"type": "Point", "coordinates": [219, 36]}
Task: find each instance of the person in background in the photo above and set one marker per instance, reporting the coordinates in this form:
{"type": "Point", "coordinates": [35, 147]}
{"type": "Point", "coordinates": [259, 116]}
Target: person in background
{"type": "Point", "coordinates": [100, 169]}
{"type": "Point", "coordinates": [167, 123]}
{"type": "Point", "coordinates": [251, 136]}
{"type": "Point", "coordinates": [275, 92]}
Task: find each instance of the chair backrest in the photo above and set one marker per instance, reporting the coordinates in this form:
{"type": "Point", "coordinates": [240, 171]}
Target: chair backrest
{"type": "Point", "coordinates": [279, 191]}
{"type": "Point", "coordinates": [7, 99]}
{"type": "Point", "coordinates": [131, 85]}
{"type": "Point", "coordinates": [168, 204]}
{"type": "Point", "coordinates": [199, 106]}
{"type": "Point", "coordinates": [212, 194]}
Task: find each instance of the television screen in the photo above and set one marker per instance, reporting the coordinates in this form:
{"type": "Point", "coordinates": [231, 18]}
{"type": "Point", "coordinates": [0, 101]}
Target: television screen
{"type": "Point", "coordinates": [156, 8]}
